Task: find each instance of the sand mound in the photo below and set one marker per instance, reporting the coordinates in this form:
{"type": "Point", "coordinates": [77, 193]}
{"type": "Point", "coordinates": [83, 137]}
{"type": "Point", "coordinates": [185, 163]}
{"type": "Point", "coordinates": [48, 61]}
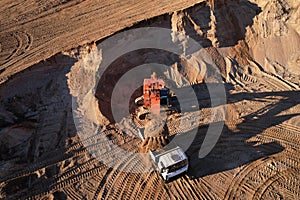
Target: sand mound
{"type": "Point", "coordinates": [255, 45]}
{"type": "Point", "coordinates": [154, 143]}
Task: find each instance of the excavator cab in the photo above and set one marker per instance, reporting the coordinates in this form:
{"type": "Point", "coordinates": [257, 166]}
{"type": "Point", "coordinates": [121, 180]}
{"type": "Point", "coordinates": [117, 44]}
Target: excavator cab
{"type": "Point", "coordinates": [156, 97]}
{"type": "Point", "coordinates": [155, 94]}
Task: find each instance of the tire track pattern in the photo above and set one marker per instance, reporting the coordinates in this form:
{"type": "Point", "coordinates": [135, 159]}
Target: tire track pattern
{"type": "Point", "coordinates": [268, 177]}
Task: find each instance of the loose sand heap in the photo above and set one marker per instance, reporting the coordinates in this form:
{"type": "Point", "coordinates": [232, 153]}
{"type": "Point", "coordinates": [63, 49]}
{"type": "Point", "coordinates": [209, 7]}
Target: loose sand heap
{"type": "Point", "coordinates": [44, 154]}
{"type": "Point", "coordinates": [154, 143]}
{"type": "Point", "coordinates": [156, 134]}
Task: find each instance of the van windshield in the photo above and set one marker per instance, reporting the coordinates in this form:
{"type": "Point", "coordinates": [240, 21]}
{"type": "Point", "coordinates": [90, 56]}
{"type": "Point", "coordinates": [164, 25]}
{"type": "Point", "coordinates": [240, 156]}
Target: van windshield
{"type": "Point", "coordinates": [177, 166]}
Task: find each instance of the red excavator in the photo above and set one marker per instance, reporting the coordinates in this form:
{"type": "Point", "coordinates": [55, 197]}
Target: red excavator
{"type": "Point", "coordinates": [155, 96]}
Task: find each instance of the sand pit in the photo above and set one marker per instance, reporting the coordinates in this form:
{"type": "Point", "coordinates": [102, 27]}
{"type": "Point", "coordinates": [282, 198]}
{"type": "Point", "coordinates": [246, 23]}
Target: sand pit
{"type": "Point", "coordinates": [255, 45]}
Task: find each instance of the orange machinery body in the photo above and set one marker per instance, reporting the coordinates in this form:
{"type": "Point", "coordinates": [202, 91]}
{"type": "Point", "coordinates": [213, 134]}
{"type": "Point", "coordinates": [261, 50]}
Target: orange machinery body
{"type": "Point", "coordinates": [151, 92]}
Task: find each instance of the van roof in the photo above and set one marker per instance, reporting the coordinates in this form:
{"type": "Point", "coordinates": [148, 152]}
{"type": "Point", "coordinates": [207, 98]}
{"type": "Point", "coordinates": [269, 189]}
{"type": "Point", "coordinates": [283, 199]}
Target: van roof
{"type": "Point", "coordinates": [172, 157]}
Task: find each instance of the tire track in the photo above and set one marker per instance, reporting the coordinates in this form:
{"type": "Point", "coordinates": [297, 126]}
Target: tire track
{"type": "Point", "coordinates": [146, 186]}
{"type": "Point", "coordinates": [292, 185]}
{"type": "Point", "coordinates": [75, 171]}
{"type": "Point", "coordinates": [72, 194]}
{"type": "Point", "coordinates": [68, 177]}
{"type": "Point", "coordinates": [50, 188]}
{"type": "Point", "coordinates": [23, 43]}
{"type": "Point", "coordinates": [255, 175]}
{"type": "Point", "coordinates": [276, 84]}
{"type": "Point", "coordinates": [56, 159]}
{"type": "Point", "coordinates": [187, 187]}
{"type": "Point", "coordinates": [102, 190]}
{"type": "Point", "coordinates": [290, 127]}
{"type": "Point", "coordinates": [241, 175]}
{"type": "Point", "coordinates": [276, 133]}
{"type": "Point", "coordinates": [102, 184]}
{"type": "Point", "coordinates": [76, 178]}
{"type": "Point", "coordinates": [119, 186]}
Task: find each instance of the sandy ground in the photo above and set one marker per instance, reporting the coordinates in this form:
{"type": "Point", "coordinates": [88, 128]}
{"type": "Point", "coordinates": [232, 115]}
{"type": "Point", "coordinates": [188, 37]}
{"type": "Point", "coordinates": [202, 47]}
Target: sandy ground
{"type": "Point", "coordinates": [254, 44]}
{"type": "Point", "coordinates": [32, 30]}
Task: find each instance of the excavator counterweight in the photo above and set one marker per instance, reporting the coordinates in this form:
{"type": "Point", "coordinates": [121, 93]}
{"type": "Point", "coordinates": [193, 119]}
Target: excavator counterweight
{"type": "Point", "coordinates": [155, 94]}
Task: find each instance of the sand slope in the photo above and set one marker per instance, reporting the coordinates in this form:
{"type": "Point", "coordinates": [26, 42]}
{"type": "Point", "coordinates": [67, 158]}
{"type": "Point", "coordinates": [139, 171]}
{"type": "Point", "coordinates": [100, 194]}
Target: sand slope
{"type": "Point", "coordinates": [32, 31]}
{"type": "Point", "coordinates": [44, 156]}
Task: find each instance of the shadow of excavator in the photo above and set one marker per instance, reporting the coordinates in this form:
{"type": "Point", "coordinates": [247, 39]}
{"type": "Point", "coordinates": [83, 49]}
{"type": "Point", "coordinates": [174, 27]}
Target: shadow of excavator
{"type": "Point", "coordinates": [232, 149]}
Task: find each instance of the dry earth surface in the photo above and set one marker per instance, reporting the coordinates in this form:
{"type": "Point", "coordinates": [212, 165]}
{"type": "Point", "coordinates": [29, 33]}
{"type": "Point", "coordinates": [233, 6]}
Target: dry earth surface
{"type": "Point", "coordinates": [49, 57]}
{"type": "Point", "coordinates": [34, 30]}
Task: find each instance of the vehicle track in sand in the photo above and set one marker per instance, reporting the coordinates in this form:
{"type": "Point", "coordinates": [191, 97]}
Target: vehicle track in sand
{"type": "Point", "coordinates": [116, 174]}
{"type": "Point", "coordinates": [256, 157]}
{"type": "Point", "coordinates": [261, 178]}
{"type": "Point", "coordinates": [262, 173]}
{"type": "Point", "coordinates": [284, 185]}
{"type": "Point", "coordinates": [31, 32]}
{"type": "Point", "coordinates": [72, 152]}
{"type": "Point", "coordinates": [252, 177]}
